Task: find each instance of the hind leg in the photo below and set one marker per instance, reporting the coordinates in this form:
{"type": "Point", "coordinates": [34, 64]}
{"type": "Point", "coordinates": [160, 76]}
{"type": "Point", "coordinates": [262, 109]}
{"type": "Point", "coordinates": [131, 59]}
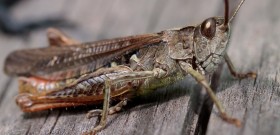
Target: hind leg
{"type": "Point", "coordinates": [58, 38]}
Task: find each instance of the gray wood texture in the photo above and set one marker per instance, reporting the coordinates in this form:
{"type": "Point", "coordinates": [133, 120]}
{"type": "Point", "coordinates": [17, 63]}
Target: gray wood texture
{"type": "Point", "coordinates": [174, 110]}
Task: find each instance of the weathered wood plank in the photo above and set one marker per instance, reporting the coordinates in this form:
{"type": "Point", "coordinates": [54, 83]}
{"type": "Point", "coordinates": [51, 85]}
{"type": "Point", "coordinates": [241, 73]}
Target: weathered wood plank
{"type": "Point", "coordinates": [7, 45]}
{"type": "Point", "coordinates": [254, 46]}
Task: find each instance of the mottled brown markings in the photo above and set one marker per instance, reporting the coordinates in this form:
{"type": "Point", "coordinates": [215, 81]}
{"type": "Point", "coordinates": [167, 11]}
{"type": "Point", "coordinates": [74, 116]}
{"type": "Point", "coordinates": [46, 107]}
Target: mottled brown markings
{"type": "Point", "coordinates": [146, 57]}
{"type": "Point", "coordinates": [180, 43]}
{"type": "Point", "coordinates": [186, 36]}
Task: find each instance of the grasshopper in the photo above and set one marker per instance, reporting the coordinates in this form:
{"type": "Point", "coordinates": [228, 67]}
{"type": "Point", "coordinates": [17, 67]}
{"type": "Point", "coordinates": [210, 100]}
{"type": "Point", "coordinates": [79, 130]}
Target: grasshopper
{"type": "Point", "coordinates": [69, 73]}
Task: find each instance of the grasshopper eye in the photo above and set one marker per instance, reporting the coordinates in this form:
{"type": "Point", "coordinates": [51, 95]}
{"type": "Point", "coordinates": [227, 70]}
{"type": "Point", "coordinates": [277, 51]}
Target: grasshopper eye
{"type": "Point", "coordinates": [208, 28]}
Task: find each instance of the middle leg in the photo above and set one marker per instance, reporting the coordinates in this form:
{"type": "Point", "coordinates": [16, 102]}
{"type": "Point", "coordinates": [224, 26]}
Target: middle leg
{"type": "Point", "coordinates": [235, 73]}
{"type": "Point", "coordinates": [119, 78]}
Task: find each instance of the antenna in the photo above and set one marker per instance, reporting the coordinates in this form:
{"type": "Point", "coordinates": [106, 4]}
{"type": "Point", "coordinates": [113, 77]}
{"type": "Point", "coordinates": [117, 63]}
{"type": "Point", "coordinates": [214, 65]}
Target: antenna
{"type": "Point", "coordinates": [237, 9]}
{"type": "Point", "coordinates": [226, 13]}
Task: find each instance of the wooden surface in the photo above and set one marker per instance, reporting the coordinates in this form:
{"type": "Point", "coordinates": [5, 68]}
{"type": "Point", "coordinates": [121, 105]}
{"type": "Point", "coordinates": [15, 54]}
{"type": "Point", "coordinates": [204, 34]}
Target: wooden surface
{"type": "Point", "coordinates": [173, 110]}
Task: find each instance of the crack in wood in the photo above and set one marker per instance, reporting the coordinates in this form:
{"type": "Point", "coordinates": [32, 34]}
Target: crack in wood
{"type": "Point", "coordinates": [244, 119]}
{"type": "Point", "coordinates": [45, 120]}
{"type": "Point", "coordinates": [28, 129]}
{"type": "Point", "coordinates": [53, 126]}
{"type": "Point", "coordinates": [5, 89]}
{"type": "Point", "coordinates": [273, 86]}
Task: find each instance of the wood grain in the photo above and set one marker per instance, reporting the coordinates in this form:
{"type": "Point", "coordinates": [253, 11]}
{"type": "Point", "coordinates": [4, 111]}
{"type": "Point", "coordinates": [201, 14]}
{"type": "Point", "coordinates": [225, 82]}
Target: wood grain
{"type": "Point", "coordinates": [173, 110]}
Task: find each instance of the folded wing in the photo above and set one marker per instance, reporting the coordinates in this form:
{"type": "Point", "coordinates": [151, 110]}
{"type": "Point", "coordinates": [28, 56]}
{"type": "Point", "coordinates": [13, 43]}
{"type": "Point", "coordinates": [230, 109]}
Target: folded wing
{"type": "Point", "coordinates": [62, 62]}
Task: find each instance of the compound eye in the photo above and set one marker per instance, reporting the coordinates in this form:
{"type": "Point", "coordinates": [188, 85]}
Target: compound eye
{"type": "Point", "coordinates": [208, 28]}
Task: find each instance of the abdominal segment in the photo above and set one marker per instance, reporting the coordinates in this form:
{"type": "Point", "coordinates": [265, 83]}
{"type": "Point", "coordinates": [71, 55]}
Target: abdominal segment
{"type": "Point", "coordinates": [89, 87]}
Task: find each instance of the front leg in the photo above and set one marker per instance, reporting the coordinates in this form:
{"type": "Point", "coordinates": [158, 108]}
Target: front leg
{"type": "Point", "coordinates": [201, 79]}
{"type": "Point", "coordinates": [235, 73]}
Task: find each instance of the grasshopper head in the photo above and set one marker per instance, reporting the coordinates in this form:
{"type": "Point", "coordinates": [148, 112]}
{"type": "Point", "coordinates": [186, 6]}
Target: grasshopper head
{"type": "Point", "coordinates": [210, 42]}
{"type": "Point", "coordinates": [211, 39]}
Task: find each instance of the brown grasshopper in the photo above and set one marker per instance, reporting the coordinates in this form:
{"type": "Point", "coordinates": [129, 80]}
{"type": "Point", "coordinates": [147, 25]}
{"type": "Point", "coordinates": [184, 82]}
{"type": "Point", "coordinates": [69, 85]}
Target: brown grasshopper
{"type": "Point", "coordinates": [69, 73]}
